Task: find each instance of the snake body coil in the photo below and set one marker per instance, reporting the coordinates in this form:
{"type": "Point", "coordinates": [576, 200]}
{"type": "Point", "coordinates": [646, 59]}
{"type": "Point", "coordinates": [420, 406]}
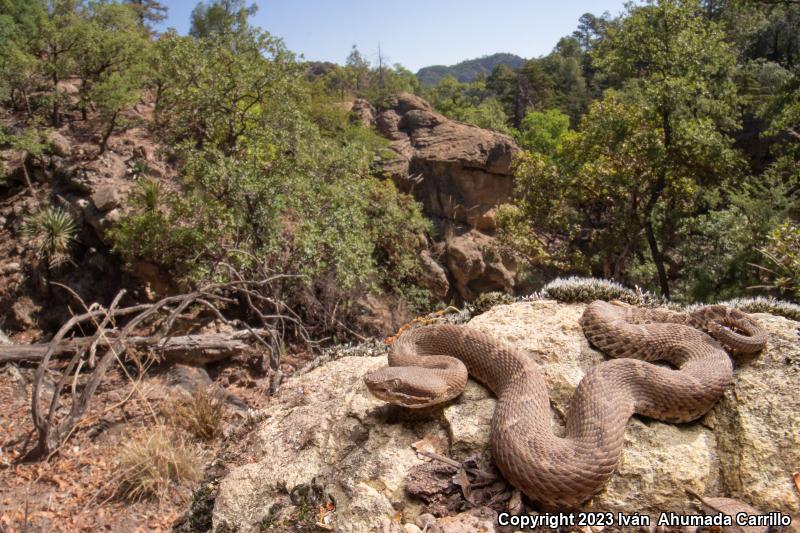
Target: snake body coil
{"type": "Point", "coordinates": [429, 365]}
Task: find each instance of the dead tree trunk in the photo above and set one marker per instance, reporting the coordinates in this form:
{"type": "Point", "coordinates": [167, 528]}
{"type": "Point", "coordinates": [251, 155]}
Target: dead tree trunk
{"type": "Point", "coordinates": [190, 349]}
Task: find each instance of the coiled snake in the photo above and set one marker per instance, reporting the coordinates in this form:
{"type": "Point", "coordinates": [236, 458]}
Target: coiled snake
{"type": "Point", "coordinates": [430, 364]}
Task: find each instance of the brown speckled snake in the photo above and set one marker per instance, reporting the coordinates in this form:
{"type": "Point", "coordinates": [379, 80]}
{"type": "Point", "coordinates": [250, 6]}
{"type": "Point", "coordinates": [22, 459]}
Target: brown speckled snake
{"type": "Point", "coordinates": [430, 365]}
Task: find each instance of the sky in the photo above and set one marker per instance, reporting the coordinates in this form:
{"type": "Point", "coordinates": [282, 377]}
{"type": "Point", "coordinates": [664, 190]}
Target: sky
{"type": "Point", "coordinates": [414, 33]}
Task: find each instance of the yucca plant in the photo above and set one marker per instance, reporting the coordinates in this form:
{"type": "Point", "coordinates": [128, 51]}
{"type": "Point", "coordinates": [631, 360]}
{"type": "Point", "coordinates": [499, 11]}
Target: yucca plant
{"type": "Point", "coordinates": [150, 195]}
{"type": "Point", "coordinates": [52, 231]}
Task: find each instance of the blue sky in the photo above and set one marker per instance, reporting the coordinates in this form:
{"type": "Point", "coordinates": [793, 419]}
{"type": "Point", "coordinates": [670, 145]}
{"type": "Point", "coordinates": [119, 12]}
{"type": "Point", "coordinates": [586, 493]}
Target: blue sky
{"type": "Point", "coordinates": [415, 33]}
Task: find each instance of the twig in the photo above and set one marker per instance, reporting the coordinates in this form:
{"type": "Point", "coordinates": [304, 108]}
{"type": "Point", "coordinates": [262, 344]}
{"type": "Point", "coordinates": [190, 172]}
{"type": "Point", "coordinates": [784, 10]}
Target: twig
{"type": "Point", "coordinates": [440, 458]}
{"type": "Point", "coordinates": [161, 317]}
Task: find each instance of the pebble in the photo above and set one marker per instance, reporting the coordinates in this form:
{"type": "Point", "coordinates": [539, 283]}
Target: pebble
{"type": "Point", "coordinates": [10, 268]}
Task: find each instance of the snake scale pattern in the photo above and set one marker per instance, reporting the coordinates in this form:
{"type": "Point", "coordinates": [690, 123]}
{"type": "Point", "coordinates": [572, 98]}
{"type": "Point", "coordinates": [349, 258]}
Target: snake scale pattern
{"type": "Point", "coordinates": [430, 365]}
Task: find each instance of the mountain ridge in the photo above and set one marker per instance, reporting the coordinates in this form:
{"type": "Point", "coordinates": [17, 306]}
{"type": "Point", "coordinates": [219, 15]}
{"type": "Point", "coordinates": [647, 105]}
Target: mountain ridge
{"type": "Point", "coordinates": [466, 71]}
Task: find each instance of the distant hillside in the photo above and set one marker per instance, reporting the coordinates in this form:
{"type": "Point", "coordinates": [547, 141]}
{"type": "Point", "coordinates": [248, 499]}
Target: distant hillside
{"type": "Point", "coordinates": [468, 70]}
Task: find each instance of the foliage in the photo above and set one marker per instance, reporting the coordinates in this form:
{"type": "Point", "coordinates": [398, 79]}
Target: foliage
{"type": "Point", "coordinates": [220, 17]}
{"type": "Point", "coordinates": [148, 12]}
{"type": "Point", "coordinates": [216, 90]}
{"type": "Point", "coordinates": [153, 462]}
{"type": "Point", "coordinates": [398, 232]}
{"type": "Point", "coordinates": [629, 168]}
{"type": "Point", "coordinates": [358, 78]}
{"type": "Point", "coordinates": [109, 60]}
{"type": "Point", "coordinates": [487, 300]}
{"type": "Point", "coordinates": [44, 44]}
{"type": "Point", "coordinates": [644, 159]}
{"type": "Point", "coordinates": [169, 230]}
{"type": "Point", "coordinates": [468, 103]}
{"type": "Point", "coordinates": [31, 141]}
{"type": "Point", "coordinates": [543, 132]}
{"type": "Point", "coordinates": [782, 252]}
{"type": "Point", "coordinates": [52, 231]}
{"type": "Point", "coordinates": [273, 174]}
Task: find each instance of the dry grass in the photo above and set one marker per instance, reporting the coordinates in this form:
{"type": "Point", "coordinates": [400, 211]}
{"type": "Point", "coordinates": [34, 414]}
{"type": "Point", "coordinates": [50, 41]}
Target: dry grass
{"type": "Point", "coordinates": [154, 461]}
{"type": "Point", "coordinates": [200, 413]}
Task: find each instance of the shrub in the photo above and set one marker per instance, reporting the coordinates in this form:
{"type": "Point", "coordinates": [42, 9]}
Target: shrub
{"type": "Point", "coordinates": [543, 132]}
{"type": "Point", "coordinates": [783, 253]}
{"type": "Point", "coordinates": [585, 290]}
{"type": "Point", "coordinates": [152, 462]}
{"type": "Point", "coordinates": [52, 231]}
{"type": "Point", "coordinates": [171, 230]}
{"type": "Point", "coordinates": [487, 300]}
{"type": "Point", "coordinates": [761, 304]}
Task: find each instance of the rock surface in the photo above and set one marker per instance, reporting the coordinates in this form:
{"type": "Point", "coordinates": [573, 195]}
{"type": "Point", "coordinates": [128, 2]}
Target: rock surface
{"type": "Point", "coordinates": [465, 170]}
{"type": "Point", "coordinates": [325, 430]}
{"type": "Point", "coordinates": [460, 173]}
{"type": "Point", "coordinates": [477, 265]}
{"type": "Point", "coordinates": [59, 144]}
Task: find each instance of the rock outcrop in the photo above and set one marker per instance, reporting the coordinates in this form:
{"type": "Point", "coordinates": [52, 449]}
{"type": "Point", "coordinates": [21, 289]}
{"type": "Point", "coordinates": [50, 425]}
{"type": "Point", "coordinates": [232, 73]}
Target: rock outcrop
{"type": "Point", "coordinates": [325, 431]}
{"type": "Point", "coordinates": [460, 173]}
{"type": "Point", "coordinates": [465, 170]}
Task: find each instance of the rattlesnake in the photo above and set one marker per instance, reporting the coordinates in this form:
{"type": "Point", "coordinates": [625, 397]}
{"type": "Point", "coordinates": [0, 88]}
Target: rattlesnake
{"type": "Point", "coordinates": [430, 364]}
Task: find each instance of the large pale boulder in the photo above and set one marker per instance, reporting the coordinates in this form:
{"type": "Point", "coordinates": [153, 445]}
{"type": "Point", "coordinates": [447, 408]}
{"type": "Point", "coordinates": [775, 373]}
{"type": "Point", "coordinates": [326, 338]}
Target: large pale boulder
{"type": "Point", "coordinates": [324, 430]}
{"type": "Point", "coordinates": [757, 423]}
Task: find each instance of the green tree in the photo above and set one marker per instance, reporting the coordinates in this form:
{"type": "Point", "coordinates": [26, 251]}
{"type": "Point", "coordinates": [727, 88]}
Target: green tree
{"type": "Point", "coordinates": [533, 90]}
{"type": "Point", "coordinates": [220, 17]}
{"type": "Point", "coordinates": [18, 65]}
{"type": "Point", "coordinates": [214, 90]}
{"type": "Point", "coordinates": [678, 68]}
{"type": "Point", "coordinates": [570, 92]}
{"type": "Point", "coordinates": [278, 165]}
{"type": "Point", "coordinates": [148, 12]}
{"type": "Point", "coordinates": [543, 132]}
{"type": "Point", "coordinates": [357, 68]}
{"type": "Point", "coordinates": [487, 114]}
{"type": "Point", "coordinates": [57, 33]}
{"type": "Point", "coordinates": [110, 62]}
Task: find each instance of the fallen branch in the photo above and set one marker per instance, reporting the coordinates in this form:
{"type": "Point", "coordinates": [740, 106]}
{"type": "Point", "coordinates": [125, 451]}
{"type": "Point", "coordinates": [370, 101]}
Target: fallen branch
{"type": "Point", "coordinates": [197, 349]}
{"type": "Point", "coordinates": [55, 424]}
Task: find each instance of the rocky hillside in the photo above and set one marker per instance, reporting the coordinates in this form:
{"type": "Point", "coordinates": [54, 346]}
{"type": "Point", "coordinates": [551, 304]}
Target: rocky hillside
{"type": "Point", "coordinates": [94, 189]}
{"type": "Point", "coordinates": [459, 173]}
{"type": "Point", "coordinates": [326, 439]}
{"type": "Point", "coordinates": [467, 71]}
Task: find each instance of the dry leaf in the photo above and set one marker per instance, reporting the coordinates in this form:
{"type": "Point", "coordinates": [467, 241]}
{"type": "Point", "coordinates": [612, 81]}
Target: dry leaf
{"type": "Point", "coordinates": [429, 443]}
{"type": "Point", "coordinates": [462, 481]}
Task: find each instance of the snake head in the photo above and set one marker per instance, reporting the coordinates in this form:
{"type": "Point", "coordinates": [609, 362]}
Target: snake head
{"type": "Point", "coordinates": [405, 386]}
{"type": "Point", "coordinates": [735, 329]}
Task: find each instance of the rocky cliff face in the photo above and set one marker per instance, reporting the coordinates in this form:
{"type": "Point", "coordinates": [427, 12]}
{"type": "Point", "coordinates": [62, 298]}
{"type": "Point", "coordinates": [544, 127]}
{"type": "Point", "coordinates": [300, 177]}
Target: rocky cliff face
{"type": "Point", "coordinates": [326, 434]}
{"type": "Point", "coordinates": [460, 174]}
